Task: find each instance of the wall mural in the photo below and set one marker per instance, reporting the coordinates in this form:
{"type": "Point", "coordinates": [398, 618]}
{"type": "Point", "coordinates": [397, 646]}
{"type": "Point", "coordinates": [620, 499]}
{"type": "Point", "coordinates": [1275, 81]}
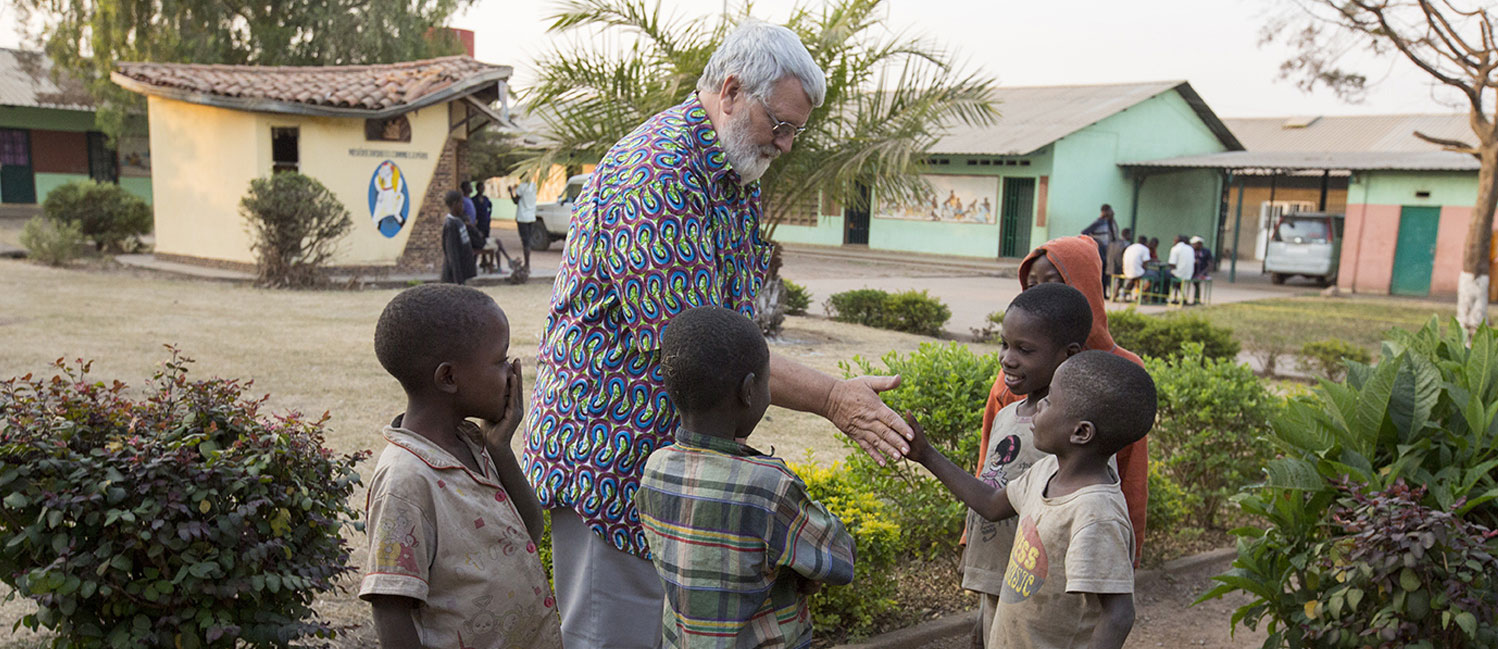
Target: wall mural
{"type": "Point", "coordinates": [389, 199]}
{"type": "Point", "coordinates": [956, 199]}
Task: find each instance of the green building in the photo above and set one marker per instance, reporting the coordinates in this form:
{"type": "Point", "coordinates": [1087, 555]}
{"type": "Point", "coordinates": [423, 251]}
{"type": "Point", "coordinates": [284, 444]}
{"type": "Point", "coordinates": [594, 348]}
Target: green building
{"type": "Point", "coordinates": [1041, 171]}
{"type": "Point", "coordinates": [48, 136]}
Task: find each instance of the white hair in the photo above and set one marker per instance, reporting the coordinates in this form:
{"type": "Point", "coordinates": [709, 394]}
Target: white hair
{"type": "Point", "coordinates": [759, 54]}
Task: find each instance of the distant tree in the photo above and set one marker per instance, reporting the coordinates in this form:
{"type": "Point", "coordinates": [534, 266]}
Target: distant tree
{"type": "Point", "coordinates": [1451, 40]}
{"type": "Point", "coordinates": [889, 96]}
{"type": "Point", "coordinates": [85, 38]}
{"type": "Point", "coordinates": [492, 152]}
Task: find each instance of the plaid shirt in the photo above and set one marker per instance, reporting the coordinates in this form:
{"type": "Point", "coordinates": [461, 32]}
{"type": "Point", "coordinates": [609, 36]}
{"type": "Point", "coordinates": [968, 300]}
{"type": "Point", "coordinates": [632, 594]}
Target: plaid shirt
{"type": "Point", "coordinates": [722, 520]}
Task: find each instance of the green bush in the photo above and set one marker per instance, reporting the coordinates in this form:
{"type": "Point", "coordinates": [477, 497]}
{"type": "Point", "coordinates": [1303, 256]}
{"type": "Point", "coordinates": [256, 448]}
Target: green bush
{"type": "Point", "coordinates": [945, 387]}
{"type": "Point", "coordinates": [909, 311]}
{"type": "Point", "coordinates": [797, 298]}
{"type": "Point", "coordinates": [1211, 416]}
{"type": "Point", "coordinates": [1167, 508]}
{"type": "Point", "coordinates": [54, 243]}
{"type": "Point", "coordinates": [1403, 573]}
{"type": "Point", "coordinates": [295, 224]}
{"type": "Point", "coordinates": [1162, 336]}
{"type": "Point", "coordinates": [876, 539]}
{"type": "Point", "coordinates": [103, 212]}
{"type": "Point", "coordinates": [1427, 414]}
{"type": "Point", "coordinates": [1329, 357]}
{"type": "Point", "coordinates": [992, 330]}
{"type": "Point", "coordinates": [184, 519]}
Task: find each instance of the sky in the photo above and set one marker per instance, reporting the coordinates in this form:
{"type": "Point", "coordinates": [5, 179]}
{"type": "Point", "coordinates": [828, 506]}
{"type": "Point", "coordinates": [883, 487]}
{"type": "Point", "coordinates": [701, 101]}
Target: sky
{"type": "Point", "coordinates": [1214, 44]}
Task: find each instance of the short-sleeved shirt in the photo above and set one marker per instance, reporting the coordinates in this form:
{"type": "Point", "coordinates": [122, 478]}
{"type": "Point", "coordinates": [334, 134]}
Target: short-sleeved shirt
{"type": "Point", "coordinates": [1064, 547]}
{"type": "Point", "coordinates": [450, 539]}
{"type": "Point", "coordinates": [662, 225]}
{"type": "Point", "coordinates": [1010, 453]}
{"type": "Point", "coordinates": [733, 536]}
{"type": "Point", "coordinates": [1133, 260]}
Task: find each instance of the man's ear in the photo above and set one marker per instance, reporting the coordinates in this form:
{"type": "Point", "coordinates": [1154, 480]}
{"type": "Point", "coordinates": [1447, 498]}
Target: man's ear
{"type": "Point", "coordinates": [1084, 433]}
{"type": "Point", "coordinates": [746, 389]}
{"type": "Point", "coordinates": [445, 379]}
{"type": "Point", "coordinates": [731, 95]}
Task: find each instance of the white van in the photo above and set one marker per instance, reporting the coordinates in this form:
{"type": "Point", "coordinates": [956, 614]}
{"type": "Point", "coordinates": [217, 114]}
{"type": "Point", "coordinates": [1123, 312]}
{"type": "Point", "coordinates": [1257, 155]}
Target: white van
{"type": "Point", "coordinates": [552, 219]}
{"type": "Point", "coordinates": [1307, 244]}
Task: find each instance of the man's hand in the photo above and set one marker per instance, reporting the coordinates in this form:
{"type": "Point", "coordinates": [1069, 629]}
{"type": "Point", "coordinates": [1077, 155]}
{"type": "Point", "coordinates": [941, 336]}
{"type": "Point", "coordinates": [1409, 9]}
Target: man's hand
{"type": "Point", "coordinates": [855, 408]}
{"type": "Point", "coordinates": [499, 433]}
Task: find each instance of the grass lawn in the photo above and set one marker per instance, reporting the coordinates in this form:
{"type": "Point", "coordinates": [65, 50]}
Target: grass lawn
{"type": "Point", "coordinates": [314, 352]}
{"type": "Point", "coordinates": [1293, 321]}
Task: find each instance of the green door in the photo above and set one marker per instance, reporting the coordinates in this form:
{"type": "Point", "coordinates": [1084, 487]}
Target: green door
{"type": "Point", "coordinates": [1415, 252]}
{"type": "Point", "coordinates": [17, 183]}
{"type": "Point", "coordinates": [1017, 215]}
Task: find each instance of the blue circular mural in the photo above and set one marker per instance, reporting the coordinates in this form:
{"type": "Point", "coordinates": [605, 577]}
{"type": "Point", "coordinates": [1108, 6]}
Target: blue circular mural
{"type": "Point", "coordinates": [389, 199]}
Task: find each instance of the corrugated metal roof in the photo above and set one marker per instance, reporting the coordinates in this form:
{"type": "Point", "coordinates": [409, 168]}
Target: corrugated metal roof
{"type": "Point", "coordinates": [26, 80]}
{"type": "Point", "coordinates": [1032, 117]}
{"type": "Point", "coordinates": [1334, 160]}
{"type": "Point", "coordinates": [1350, 133]}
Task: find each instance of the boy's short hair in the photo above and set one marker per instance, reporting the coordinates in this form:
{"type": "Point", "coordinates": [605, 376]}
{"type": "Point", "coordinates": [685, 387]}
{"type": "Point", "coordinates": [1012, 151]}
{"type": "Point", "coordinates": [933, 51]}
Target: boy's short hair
{"type": "Point", "coordinates": [1064, 309]}
{"type": "Point", "coordinates": [1116, 395]}
{"type": "Point", "coordinates": [706, 352]}
{"type": "Point", "coordinates": [427, 325]}
{"type": "Point", "coordinates": [452, 198]}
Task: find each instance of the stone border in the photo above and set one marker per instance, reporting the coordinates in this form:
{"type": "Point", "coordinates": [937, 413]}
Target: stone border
{"type": "Point", "coordinates": [957, 624]}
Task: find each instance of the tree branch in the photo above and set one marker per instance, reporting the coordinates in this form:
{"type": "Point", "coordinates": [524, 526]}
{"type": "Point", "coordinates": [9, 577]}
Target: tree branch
{"type": "Point", "coordinates": [1400, 43]}
{"type": "Point", "coordinates": [1456, 146]}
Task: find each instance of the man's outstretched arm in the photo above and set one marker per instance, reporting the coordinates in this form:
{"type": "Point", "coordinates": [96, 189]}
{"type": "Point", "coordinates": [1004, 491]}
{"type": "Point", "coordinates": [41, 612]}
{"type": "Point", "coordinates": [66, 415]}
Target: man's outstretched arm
{"type": "Point", "coordinates": [853, 405]}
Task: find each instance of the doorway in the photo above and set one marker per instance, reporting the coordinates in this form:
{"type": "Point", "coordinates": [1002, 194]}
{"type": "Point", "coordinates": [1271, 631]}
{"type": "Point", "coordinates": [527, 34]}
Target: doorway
{"type": "Point", "coordinates": [856, 214]}
{"type": "Point", "coordinates": [1415, 250]}
{"type": "Point", "coordinates": [1016, 218]}
{"type": "Point", "coordinates": [17, 180]}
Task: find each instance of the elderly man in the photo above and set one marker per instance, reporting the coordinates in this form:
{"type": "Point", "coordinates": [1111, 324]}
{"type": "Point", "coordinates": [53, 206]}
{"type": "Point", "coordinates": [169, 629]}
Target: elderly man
{"type": "Point", "coordinates": [669, 220]}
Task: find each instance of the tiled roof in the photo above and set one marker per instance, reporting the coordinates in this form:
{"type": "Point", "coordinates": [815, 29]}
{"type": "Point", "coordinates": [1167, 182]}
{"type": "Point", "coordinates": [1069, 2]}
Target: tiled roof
{"type": "Point", "coordinates": [26, 80]}
{"type": "Point", "coordinates": [353, 90]}
{"type": "Point", "coordinates": [1032, 117]}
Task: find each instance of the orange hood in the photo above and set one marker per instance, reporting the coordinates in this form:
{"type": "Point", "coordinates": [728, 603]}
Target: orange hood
{"type": "Point", "coordinates": [1077, 260]}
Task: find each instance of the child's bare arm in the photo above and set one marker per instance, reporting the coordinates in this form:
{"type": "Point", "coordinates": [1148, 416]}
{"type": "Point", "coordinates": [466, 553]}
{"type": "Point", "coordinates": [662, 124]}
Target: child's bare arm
{"type": "Point", "coordinates": [393, 624]}
{"type": "Point", "coordinates": [497, 436]}
{"type": "Point", "coordinates": [1114, 624]}
{"type": "Point", "coordinates": [992, 504]}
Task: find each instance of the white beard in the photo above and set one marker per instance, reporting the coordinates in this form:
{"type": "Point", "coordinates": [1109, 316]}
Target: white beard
{"type": "Point", "coordinates": [748, 160]}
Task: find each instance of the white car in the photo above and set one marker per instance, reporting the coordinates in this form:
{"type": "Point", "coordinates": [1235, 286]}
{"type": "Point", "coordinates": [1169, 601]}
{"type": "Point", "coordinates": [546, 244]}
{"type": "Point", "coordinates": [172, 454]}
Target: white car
{"type": "Point", "coordinates": [552, 219]}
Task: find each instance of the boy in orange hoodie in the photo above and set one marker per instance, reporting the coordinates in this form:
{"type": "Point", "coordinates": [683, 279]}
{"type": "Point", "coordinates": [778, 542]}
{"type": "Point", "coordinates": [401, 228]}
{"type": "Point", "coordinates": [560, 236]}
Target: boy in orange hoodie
{"type": "Point", "coordinates": [1074, 261]}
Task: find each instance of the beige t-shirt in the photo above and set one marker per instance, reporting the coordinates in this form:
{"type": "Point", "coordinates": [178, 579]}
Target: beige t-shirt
{"type": "Point", "coordinates": [1010, 454]}
{"type": "Point", "coordinates": [1065, 550]}
{"type": "Point", "coordinates": [451, 539]}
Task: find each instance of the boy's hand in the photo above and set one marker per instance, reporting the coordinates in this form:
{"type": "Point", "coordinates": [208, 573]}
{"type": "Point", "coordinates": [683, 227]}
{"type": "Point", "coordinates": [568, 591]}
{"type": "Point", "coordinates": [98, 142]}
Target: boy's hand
{"type": "Point", "coordinates": [918, 444]}
{"type": "Point", "coordinates": [499, 433]}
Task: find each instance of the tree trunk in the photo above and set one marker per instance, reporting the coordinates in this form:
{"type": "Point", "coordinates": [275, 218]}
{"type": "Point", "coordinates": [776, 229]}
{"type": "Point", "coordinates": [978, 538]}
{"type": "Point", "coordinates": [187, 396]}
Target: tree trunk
{"type": "Point", "coordinates": [1472, 288]}
{"type": "Point", "coordinates": [769, 302]}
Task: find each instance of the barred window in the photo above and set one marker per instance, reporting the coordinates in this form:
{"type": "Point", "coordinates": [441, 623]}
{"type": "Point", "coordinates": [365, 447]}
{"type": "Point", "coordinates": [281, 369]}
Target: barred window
{"type": "Point", "coordinates": [801, 212]}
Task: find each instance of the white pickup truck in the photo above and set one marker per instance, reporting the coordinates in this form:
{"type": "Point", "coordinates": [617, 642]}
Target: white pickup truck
{"type": "Point", "coordinates": [553, 218]}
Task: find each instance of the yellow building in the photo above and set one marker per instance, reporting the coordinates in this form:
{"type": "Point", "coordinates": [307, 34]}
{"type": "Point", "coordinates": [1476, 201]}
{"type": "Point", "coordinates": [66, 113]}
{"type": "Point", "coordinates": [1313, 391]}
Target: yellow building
{"type": "Point", "coordinates": [387, 140]}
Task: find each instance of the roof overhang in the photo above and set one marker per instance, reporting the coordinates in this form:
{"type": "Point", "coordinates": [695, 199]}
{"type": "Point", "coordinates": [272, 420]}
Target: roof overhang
{"type": "Point", "coordinates": [489, 82]}
{"type": "Point", "coordinates": [1293, 161]}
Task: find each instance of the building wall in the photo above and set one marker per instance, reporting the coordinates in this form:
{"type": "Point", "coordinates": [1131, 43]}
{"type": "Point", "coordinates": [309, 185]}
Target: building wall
{"type": "Point", "coordinates": [204, 158]}
{"type": "Point", "coordinates": [59, 148]}
{"type": "Point", "coordinates": [1370, 238]}
{"type": "Point", "coordinates": [1087, 172]}
{"type": "Point", "coordinates": [1175, 203]}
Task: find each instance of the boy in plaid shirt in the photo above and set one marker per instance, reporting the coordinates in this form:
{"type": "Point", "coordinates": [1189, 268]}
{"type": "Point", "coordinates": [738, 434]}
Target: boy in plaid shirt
{"type": "Point", "coordinates": [737, 542]}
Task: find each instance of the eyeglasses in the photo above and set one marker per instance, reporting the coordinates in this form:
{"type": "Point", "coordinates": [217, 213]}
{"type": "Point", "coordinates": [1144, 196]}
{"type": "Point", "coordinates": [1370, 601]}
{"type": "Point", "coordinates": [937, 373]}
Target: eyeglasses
{"type": "Point", "coordinates": [781, 128]}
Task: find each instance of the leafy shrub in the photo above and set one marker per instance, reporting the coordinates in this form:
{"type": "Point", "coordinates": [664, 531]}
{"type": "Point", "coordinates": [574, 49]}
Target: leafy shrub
{"type": "Point", "coordinates": [54, 243]}
{"type": "Point", "coordinates": [876, 539]}
{"type": "Point", "coordinates": [103, 212]}
{"type": "Point", "coordinates": [797, 298]}
{"type": "Point", "coordinates": [1162, 336]}
{"type": "Point", "coordinates": [909, 311]}
{"type": "Point", "coordinates": [1402, 574]}
{"type": "Point", "coordinates": [295, 224]}
{"type": "Point", "coordinates": [1211, 414]}
{"type": "Point", "coordinates": [183, 519]}
{"type": "Point", "coordinates": [1167, 506]}
{"type": "Point", "coordinates": [1424, 415]}
{"type": "Point", "coordinates": [992, 330]}
{"type": "Point", "coordinates": [945, 387]}
{"type": "Point", "coordinates": [1329, 357]}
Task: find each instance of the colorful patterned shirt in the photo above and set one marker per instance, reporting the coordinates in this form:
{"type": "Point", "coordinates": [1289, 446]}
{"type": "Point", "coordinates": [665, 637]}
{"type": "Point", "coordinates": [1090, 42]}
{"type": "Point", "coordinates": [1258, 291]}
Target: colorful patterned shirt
{"type": "Point", "coordinates": [735, 538]}
{"type": "Point", "coordinates": [662, 226]}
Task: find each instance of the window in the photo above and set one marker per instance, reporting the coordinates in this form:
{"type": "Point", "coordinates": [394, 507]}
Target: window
{"type": "Point", "coordinates": [1314, 230]}
{"type": "Point", "coordinates": [284, 149]}
{"type": "Point", "coordinates": [802, 212]}
{"type": "Point", "coordinates": [392, 129]}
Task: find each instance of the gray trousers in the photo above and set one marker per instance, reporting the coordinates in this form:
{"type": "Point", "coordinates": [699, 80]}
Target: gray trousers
{"type": "Point", "coordinates": [607, 598]}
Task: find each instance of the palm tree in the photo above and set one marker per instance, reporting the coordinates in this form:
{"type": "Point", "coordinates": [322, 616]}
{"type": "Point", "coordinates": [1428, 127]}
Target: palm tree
{"type": "Point", "coordinates": [889, 98]}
